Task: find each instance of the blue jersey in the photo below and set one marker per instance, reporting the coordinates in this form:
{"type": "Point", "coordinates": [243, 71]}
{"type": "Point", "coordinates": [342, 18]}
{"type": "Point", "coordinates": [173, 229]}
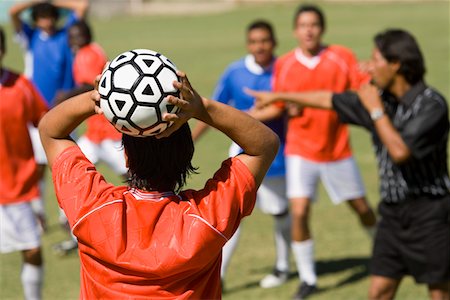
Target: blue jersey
{"type": "Point", "coordinates": [230, 90]}
{"type": "Point", "coordinates": [48, 59]}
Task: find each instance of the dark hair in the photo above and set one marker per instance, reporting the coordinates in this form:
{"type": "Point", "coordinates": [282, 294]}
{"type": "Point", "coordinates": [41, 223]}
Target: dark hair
{"type": "Point", "coordinates": [160, 164]}
{"type": "Point", "coordinates": [310, 8]}
{"type": "Point", "coordinates": [44, 10]}
{"type": "Point", "coordinates": [2, 40]}
{"type": "Point", "coordinates": [397, 45]}
{"type": "Point", "coordinates": [85, 30]}
{"type": "Point", "coordinates": [265, 25]}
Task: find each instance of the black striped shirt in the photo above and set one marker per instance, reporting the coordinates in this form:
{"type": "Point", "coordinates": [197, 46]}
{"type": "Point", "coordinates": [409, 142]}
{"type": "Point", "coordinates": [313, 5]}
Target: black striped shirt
{"type": "Point", "coordinates": [421, 118]}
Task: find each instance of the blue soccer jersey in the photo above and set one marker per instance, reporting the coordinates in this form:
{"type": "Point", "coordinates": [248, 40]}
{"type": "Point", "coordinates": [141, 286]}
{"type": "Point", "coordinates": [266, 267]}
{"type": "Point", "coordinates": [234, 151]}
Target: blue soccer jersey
{"type": "Point", "coordinates": [48, 59]}
{"type": "Point", "coordinates": [230, 90]}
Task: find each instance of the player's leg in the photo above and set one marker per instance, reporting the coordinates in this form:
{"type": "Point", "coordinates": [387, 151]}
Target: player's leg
{"type": "Point", "coordinates": [112, 154]}
{"type": "Point", "coordinates": [302, 179]}
{"type": "Point", "coordinates": [32, 273]}
{"type": "Point", "coordinates": [383, 288]}
{"type": "Point", "coordinates": [343, 182]}
{"type": "Point", "coordinates": [271, 199]}
{"type": "Point", "coordinates": [19, 231]}
{"type": "Point", "coordinates": [227, 253]}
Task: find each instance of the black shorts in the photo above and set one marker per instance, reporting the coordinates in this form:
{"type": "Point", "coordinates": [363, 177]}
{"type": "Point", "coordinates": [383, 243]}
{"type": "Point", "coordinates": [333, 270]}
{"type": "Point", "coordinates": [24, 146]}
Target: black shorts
{"type": "Point", "coordinates": [413, 238]}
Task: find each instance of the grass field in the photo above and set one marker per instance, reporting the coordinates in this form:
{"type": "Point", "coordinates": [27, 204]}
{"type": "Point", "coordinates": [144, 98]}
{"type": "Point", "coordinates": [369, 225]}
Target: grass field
{"type": "Point", "coordinates": [203, 46]}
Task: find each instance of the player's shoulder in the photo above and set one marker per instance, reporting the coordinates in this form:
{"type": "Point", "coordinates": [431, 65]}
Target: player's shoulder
{"type": "Point", "coordinates": [340, 50]}
{"type": "Point", "coordinates": [236, 66]}
{"type": "Point", "coordinates": [285, 57]}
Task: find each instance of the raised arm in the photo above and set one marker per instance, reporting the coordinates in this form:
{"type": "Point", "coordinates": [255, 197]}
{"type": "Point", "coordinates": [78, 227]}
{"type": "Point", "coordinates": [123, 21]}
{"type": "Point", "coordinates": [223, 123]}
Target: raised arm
{"type": "Point", "coordinates": [56, 126]}
{"type": "Point", "coordinates": [391, 138]}
{"type": "Point", "coordinates": [79, 7]}
{"type": "Point", "coordinates": [16, 10]}
{"type": "Point", "coordinates": [260, 144]}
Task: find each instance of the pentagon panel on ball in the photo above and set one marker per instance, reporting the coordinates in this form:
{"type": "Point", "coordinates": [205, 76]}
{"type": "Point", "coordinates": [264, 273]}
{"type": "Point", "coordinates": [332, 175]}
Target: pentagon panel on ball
{"type": "Point", "coordinates": [133, 89]}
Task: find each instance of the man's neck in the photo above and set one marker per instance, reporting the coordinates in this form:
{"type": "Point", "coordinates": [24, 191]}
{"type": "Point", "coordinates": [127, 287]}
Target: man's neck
{"type": "Point", "coordinates": [311, 52]}
{"type": "Point", "coordinates": [399, 87]}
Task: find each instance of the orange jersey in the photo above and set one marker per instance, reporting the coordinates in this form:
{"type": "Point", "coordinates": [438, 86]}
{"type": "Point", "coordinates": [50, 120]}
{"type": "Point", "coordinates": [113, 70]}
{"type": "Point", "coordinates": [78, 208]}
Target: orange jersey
{"type": "Point", "coordinates": [20, 104]}
{"type": "Point", "coordinates": [89, 63]}
{"type": "Point", "coordinates": [150, 245]}
{"type": "Point", "coordinates": [317, 134]}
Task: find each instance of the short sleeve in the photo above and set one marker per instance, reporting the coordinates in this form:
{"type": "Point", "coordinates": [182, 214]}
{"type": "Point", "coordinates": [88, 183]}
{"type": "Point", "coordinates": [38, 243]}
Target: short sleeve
{"type": "Point", "coordinates": [79, 187]}
{"type": "Point", "coordinates": [423, 132]}
{"type": "Point", "coordinates": [350, 110]}
{"type": "Point", "coordinates": [23, 37]}
{"type": "Point", "coordinates": [222, 92]}
{"type": "Point", "coordinates": [226, 198]}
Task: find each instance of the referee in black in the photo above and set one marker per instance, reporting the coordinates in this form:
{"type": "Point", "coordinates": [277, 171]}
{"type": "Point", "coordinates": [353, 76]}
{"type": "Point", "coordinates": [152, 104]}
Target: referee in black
{"type": "Point", "coordinates": [409, 124]}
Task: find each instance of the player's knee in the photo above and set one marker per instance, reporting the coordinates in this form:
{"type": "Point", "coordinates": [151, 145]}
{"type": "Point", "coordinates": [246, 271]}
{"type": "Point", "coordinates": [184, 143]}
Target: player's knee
{"type": "Point", "coordinates": [33, 256]}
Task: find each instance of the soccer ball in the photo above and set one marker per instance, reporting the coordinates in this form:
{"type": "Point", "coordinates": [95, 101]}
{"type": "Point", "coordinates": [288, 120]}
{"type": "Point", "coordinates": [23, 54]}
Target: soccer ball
{"type": "Point", "coordinates": [133, 90]}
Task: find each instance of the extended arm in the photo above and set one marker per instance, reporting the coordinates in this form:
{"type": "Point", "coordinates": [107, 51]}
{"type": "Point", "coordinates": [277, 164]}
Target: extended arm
{"type": "Point", "coordinates": [259, 143]}
{"type": "Point", "coordinates": [317, 99]}
{"type": "Point", "coordinates": [390, 137]}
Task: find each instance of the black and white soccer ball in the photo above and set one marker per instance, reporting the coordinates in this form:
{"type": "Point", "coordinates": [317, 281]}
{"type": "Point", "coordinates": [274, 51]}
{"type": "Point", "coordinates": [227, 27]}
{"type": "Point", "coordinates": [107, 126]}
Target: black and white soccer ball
{"type": "Point", "coordinates": [133, 90]}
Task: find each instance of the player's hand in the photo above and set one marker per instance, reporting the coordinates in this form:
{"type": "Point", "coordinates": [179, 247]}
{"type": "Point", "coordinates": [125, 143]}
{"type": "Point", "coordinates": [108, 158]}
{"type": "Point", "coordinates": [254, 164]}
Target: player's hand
{"type": "Point", "coordinates": [95, 95]}
{"type": "Point", "coordinates": [261, 98]}
{"type": "Point", "coordinates": [370, 97]}
{"type": "Point", "coordinates": [189, 102]}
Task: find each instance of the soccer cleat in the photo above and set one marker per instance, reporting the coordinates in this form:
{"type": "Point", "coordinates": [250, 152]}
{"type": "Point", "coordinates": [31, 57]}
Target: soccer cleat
{"type": "Point", "coordinates": [304, 290]}
{"type": "Point", "coordinates": [65, 247]}
{"type": "Point", "coordinates": [276, 278]}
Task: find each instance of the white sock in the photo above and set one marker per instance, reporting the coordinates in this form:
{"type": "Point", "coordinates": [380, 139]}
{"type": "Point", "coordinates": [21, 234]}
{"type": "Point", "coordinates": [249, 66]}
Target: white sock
{"type": "Point", "coordinates": [228, 250]}
{"type": "Point", "coordinates": [32, 277]}
{"type": "Point", "coordinates": [282, 241]}
{"type": "Point", "coordinates": [304, 257]}
{"type": "Point", "coordinates": [371, 231]}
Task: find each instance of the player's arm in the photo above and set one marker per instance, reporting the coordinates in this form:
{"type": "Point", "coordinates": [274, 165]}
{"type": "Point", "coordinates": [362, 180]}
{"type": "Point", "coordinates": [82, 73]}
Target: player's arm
{"type": "Point", "coordinates": [260, 144]}
{"type": "Point", "coordinates": [16, 10]}
{"type": "Point", "coordinates": [266, 113]}
{"type": "Point", "coordinates": [397, 148]}
{"type": "Point", "coordinates": [56, 126]}
{"type": "Point", "coordinates": [316, 99]}
{"type": "Point", "coordinates": [79, 7]}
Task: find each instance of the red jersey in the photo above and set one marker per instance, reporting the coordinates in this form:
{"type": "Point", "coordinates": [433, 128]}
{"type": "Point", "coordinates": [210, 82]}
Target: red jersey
{"type": "Point", "coordinates": [88, 63]}
{"type": "Point", "coordinates": [149, 245]}
{"type": "Point", "coordinates": [20, 104]}
{"type": "Point", "coordinates": [318, 134]}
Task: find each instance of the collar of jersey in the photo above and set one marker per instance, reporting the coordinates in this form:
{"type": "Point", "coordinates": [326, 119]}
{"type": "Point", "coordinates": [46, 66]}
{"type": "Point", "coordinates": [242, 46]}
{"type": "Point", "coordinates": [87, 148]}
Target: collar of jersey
{"type": "Point", "coordinates": [253, 67]}
{"type": "Point", "coordinates": [143, 195]}
{"type": "Point", "coordinates": [309, 62]}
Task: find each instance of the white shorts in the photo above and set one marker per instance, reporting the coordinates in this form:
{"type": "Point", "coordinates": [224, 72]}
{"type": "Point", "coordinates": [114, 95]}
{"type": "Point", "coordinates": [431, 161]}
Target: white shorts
{"type": "Point", "coordinates": [109, 151]}
{"type": "Point", "coordinates": [38, 149]}
{"type": "Point", "coordinates": [19, 229]}
{"type": "Point", "coordinates": [271, 196]}
{"type": "Point", "coordinates": [340, 178]}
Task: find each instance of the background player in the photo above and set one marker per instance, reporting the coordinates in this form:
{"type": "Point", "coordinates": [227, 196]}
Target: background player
{"type": "Point", "coordinates": [255, 71]}
{"type": "Point", "coordinates": [144, 239]}
{"type": "Point", "coordinates": [20, 104]}
{"type": "Point", "coordinates": [317, 144]}
{"type": "Point", "coordinates": [409, 125]}
{"type": "Point", "coordinates": [48, 60]}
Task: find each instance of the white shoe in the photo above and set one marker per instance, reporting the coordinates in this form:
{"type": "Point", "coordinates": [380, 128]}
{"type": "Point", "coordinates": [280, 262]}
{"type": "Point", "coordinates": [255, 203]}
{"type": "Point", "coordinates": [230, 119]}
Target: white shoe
{"type": "Point", "coordinates": [274, 279]}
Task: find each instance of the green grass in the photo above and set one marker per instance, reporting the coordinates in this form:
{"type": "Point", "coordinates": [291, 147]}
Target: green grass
{"type": "Point", "coordinates": [203, 46]}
